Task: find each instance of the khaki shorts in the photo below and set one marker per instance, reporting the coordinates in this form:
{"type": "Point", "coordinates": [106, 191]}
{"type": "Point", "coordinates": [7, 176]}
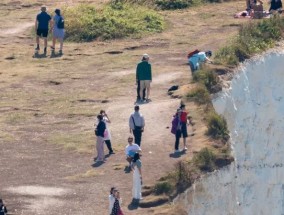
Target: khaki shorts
{"type": "Point", "coordinates": [145, 84]}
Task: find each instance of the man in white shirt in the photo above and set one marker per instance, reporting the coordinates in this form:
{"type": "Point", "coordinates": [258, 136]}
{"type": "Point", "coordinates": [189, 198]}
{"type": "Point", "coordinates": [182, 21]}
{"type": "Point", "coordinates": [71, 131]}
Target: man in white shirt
{"type": "Point", "coordinates": [136, 125]}
{"type": "Point", "coordinates": [131, 149]}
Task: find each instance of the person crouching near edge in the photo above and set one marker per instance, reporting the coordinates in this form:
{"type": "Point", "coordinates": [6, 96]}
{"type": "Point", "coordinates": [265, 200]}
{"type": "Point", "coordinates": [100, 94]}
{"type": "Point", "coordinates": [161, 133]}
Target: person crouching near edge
{"type": "Point", "coordinates": [100, 130]}
{"type": "Point", "coordinates": [196, 59]}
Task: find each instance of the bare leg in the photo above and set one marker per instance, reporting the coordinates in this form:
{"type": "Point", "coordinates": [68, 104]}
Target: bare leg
{"type": "Point", "coordinates": [53, 42]}
{"type": "Point", "coordinates": [184, 143]}
{"type": "Point", "coordinates": [148, 93]}
{"type": "Point", "coordinates": [141, 90]}
{"type": "Point", "coordinates": [61, 43]}
{"type": "Point", "coordinates": [37, 41]}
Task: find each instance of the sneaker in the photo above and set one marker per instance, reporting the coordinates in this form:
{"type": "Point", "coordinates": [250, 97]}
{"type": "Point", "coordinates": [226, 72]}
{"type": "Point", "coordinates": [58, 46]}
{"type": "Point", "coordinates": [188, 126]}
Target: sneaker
{"type": "Point", "coordinates": [177, 151]}
{"type": "Point", "coordinates": [185, 148]}
{"type": "Point", "coordinates": [37, 48]}
{"type": "Point", "coordinates": [52, 48]}
{"type": "Point", "coordinates": [111, 153]}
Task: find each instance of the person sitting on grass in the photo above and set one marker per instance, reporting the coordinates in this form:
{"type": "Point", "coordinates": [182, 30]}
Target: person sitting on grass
{"type": "Point", "coordinates": [195, 60]}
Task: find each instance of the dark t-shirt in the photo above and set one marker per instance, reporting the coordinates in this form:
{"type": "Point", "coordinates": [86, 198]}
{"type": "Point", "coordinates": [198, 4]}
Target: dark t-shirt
{"type": "Point", "coordinates": [43, 19]}
{"type": "Point", "coordinates": [275, 5]}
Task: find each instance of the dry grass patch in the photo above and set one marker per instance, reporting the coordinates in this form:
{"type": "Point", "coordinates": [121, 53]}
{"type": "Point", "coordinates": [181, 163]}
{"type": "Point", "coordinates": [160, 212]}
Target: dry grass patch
{"type": "Point", "coordinates": [89, 174]}
{"type": "Point", "coordinates": [80, 142]}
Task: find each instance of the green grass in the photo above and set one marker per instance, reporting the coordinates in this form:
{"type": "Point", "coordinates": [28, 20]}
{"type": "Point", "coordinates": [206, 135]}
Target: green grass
{"type": "Point", "coordinates": [217, 126]}
{"type": "Point", "coordinates": [253, 38]}
{"type": "Point", "coordinates": [205, 159]}
{"type": "Point", "coordinates": [85, 22]}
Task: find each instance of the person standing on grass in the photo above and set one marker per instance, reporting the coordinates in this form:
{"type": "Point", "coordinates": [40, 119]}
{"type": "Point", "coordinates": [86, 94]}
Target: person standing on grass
{"type": "Point", "coordinates": [137, 124]}
{"type": "Point", "coordinates": [100, 130]}
{"type": "Point", "coordinates": [137, 177]}
{"type": "Point", "coordinates": [3, 209]}
{"type": "Point", "coordinates": [107, 135]}
{"type": "Point", "coordinates": [41, 27]}
{"type": "Point", "coordinates": [58, 31]}
{"type": "Point", "coordinates": [144, 76]}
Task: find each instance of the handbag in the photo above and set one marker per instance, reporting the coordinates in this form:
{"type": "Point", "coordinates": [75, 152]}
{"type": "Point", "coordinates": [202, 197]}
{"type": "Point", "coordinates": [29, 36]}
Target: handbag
{"type": "Point", "coordinates": [120, 212]}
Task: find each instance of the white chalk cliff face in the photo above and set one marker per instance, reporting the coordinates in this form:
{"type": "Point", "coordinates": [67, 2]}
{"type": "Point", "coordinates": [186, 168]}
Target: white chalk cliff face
{"type": "Point", "coordinates": [254, 109]}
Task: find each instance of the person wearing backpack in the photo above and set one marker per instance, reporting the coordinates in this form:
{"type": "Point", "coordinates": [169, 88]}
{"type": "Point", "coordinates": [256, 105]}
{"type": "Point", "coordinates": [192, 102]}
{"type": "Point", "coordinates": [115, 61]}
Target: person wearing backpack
{"type": "Point", "coordinates": [99, 131]}
{"type": "Point", "coordinates": [58, 31]}
{"type": "Point", "coordinates": [3, 209]}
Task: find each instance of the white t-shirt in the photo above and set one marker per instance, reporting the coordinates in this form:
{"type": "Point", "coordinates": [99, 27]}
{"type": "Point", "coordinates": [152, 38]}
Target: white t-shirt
{"type": "Point", "coordinates": [111, 202]}
{"type": "Point", "coordinates": [131, 149]}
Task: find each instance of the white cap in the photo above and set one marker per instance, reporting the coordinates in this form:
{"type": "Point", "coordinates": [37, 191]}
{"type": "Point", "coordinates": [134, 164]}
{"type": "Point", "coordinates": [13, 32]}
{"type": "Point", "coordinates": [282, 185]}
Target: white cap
{"type": "Point", "coordinates": [145, 56]}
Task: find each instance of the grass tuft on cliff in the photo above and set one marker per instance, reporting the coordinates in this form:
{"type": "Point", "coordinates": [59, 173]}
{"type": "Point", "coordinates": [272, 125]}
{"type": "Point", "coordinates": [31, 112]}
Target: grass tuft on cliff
{"type": "Point", "coordinates": [253, 38]}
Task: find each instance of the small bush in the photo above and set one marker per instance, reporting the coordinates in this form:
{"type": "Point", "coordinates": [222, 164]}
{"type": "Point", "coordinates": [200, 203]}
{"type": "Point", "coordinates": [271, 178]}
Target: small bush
{"type": "Point", "coordinates": [206, 77]}
{"type": "Point", "coordinates": [199, 95]}
{"type": "Point", "coordinates": [183, 176]}
{"type": "Point", "coordinates": [217, 126]}
{"type": "Point", "coordinates": [163, 187]}
{"type": "Point", "coordinates": [205, 159]}
{"type": "Point", "coordinates": [116, 20]}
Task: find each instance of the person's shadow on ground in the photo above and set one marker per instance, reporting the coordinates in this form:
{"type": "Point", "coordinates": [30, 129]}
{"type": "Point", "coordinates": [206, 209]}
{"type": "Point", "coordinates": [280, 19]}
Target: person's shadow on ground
{"type": "Point", "coordinates": [134, 204]}
{"type": "Point", "coordinates": [37, 55]}
{"type": "Point", "coordinates": [127, 169]}
{"type": "Point", "coordinates": [177, 154]}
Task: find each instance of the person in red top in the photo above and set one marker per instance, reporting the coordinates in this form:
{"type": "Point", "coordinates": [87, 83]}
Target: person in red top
{"type": "Point", "coordinates": [183, 119]}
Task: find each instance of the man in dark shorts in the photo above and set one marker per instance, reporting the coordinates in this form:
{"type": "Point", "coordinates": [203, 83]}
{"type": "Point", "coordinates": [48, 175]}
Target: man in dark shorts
{"type": "Point", "coordinates": [41, 27]}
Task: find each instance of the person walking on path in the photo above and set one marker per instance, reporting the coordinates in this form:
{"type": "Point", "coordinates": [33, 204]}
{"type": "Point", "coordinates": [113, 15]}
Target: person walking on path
{"type": "Point", "coordinates": [176, 128]}
{"type": "Point", "coordinates": [107, 136]}
{"type": "Point", "coordinates": [41, 27]}
{"type": "Point", "coordinates": [131, 149]}
{"type": "Point", "coordinates": [137, 177]}
{"type": "Point", "coordinates": [144, 76]}
{"type": "Point", "coordinates": [3, 209]}
{"type": "Point", "coordinates": [137, 124]}
{"type": "Point", "coordinates": [116, 210]}
{"type": "Point", "coordinates": [100, 130]}
{"type": "Point", "coordinates": [58, 31]}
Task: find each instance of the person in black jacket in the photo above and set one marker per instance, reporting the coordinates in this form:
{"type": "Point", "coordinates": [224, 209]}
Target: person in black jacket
{"type": "Point", "coordinates": [275, 6]}
{"type": "Point", "coordinates": [3, 209]}
{"type": "Point", "coordinates": [100, 130]}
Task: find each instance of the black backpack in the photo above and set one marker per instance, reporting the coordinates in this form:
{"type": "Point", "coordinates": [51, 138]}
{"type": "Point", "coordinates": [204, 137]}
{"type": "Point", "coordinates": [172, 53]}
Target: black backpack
{"type": "Point", "coordinates": [60, 23]}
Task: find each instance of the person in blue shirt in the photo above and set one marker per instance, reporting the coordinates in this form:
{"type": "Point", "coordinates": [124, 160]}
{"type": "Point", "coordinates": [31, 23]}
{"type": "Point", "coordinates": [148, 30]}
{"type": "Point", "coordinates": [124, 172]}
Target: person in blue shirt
{"type": "Point", "coordinates": [42, 23]}
{"type": "Point", "coordinates": [195, 60]}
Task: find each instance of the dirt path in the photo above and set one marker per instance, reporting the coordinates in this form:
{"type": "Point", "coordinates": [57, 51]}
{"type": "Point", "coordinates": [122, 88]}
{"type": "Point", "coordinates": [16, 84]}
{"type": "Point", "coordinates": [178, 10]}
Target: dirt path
{"type": "Point", "coordinates": [41, 103]}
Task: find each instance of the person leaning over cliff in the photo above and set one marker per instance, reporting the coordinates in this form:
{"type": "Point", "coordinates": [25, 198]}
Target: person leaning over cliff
{"type": "Point", "coordinates": [41, 27]}
{"type": "Point", "coordinates": [200, 57]}
{"type": "Point", "coordinates": [144, 76]}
